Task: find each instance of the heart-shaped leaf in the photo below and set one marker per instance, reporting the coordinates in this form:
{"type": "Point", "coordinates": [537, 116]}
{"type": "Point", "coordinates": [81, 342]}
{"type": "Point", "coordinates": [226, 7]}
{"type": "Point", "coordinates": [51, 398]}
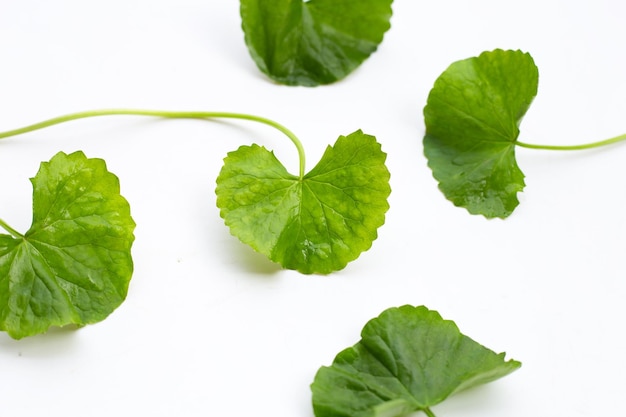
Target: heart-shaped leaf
{"type": "Point", "coordinates": [313, 42]}
{"type": "Point", "coordinates": [472, 123]}
{"type": "Point", "coordinates": [408, 360]}
{"type": "Point", "coordinates": [73, 266]}
{"type": "Point", "coordinates": [316, 224]}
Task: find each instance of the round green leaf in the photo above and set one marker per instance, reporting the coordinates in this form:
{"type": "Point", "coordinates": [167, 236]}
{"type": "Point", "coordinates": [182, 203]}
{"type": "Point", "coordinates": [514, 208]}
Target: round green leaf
{"type": "Point", "coordinates": [313, 42]}
{"type": "Point", "coordinates": [316, 224]}
{"type": "Point", "coordinates": [472, 118]}
{"type": "Point", "coordinates": [73, 266]}
{"type": "Point", "coordinates": [408, 359]}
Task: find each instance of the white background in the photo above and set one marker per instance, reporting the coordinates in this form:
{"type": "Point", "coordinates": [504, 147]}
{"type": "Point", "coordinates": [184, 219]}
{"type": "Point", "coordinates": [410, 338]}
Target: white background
{"type": "Point", "coordinates": [211, 328]}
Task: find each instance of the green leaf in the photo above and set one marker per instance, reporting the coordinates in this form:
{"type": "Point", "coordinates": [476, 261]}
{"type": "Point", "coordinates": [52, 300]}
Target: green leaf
{"type": "Point", "coordinates": [408, 359]}
{"type": "Point", "coordinates": [472, 123]}
{"type": "Point", "coordinates": [73, 265]}
{"type": "Point", "coordinates": [316, 224]}
{"type": "Point", "coordinates": [313, 42]}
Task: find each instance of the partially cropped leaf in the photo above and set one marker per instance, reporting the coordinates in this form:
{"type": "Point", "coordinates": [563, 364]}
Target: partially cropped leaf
{"type": "Point", "coordinates": [472, 123]}
{"type": "Point", "coordinates": [313, 42]}
{"type": "Point", "coordinates": [316, 224]}
{"type": "Point", "coordinates": [73, 265]}
{"type": "Point", "coordinates": [408, 359]}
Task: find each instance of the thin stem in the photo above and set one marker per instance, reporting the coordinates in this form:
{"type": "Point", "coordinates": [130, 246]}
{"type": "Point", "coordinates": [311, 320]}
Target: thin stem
{"type": "Point", "coordinates": [429, 413]}
{"type": "Point", "coordinates": [574, 147]}
{"type": "Point", "coordinates": [164, 114]}
{"type": "Point", "coordinates": [11, 230]}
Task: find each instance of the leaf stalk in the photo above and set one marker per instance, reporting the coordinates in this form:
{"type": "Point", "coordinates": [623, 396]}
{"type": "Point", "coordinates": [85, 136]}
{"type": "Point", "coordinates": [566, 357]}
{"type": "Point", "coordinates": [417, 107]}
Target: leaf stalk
{"type": "Point", "coordinates": [11, 230]}
{"type": "Point", "coordinates": [591, 145]}
{"type": "Point", "coordinates": [429, 413]}
{"type": "Point", "coordinates": [163, 114]}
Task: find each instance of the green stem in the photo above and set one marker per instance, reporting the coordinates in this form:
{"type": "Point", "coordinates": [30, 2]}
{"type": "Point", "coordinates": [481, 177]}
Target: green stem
{"type": "Point", "coordinates": [11, 230]}
{"type": "Point", "coordinates": [574, 147]}
{"type": "Point", "coordinates": [164, 114]}
{"type": "Point", "coordinates": [429, 413]}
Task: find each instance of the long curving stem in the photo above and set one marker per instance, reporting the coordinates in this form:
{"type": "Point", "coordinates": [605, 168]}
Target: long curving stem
{"type": "Point", "coordinates": [574, 147]}
{"type": "Point", "coordinates": [163, 114]}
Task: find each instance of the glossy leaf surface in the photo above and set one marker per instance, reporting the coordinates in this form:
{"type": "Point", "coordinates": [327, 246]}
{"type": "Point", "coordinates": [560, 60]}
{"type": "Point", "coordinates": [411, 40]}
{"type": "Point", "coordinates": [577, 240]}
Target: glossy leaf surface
{"type": "Point", "coordinates": [408, 359]}
{"type": "Point", "coordinates": [73, 265]}
{"type": "Point", "coordinates": [313, 42]}
{"type": "Point", "coordinates": [472, 123]}
{"type": "Point", "coordinates": [316, 224]}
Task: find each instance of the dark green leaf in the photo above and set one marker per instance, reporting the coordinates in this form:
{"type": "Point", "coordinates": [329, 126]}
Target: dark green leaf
{"type": "Point", "coordinates": [73, 266]}
{"type": "Point", "coordinates": [472, 118]}
{"type": "Point", "coordinates": [408, 359]}
{"type": "Point", "coordinates": [314, 225]}
{"type": "Point", "coordinates": [313, 42]}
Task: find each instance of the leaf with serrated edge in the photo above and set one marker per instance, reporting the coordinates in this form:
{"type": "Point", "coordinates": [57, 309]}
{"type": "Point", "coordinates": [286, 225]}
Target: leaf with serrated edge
{"type": "Point", "coordinates": [73, 265]}
{"type": "Point", "coordinates": [314, 225]}
{"type": "Point", "coordinates": [472, 118]}
{"type": "Point", "coordinates": [408, 359]}
{"type": "Point", "coordinates": [313, 42]}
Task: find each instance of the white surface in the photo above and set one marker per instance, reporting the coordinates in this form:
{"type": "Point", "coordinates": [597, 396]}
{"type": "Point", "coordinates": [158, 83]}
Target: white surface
{"type": "Point", "coordinates": [211, 328]}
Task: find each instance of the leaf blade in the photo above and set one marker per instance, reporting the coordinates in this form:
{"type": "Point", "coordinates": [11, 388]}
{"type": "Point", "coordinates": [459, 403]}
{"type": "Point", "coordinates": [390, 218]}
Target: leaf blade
{"type": "Point", "coordinates": [408, 359]}
{"type": "Point", "coordinates": [313, 42]}
{"type": "Point", "coordinates": [73, 266]}
{"type": "Point", "coordinates": [472, 122]}
{"type": "Point", "coordinates": [316, 224]}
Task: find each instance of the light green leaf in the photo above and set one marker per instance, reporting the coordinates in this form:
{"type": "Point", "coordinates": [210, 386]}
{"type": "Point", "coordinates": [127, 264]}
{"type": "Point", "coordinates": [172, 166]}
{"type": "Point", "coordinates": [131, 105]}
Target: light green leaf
{"type": "Point", "coordinates": [316, 224]}
{"type": "Point", "coordinates": [313, 42]}
{"type": "Point", "coordinates": [472, 123]}
{"type": "Point", "coordinates": [408, 359]}
{"type": "Point", "coordinates": [73, 265]}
